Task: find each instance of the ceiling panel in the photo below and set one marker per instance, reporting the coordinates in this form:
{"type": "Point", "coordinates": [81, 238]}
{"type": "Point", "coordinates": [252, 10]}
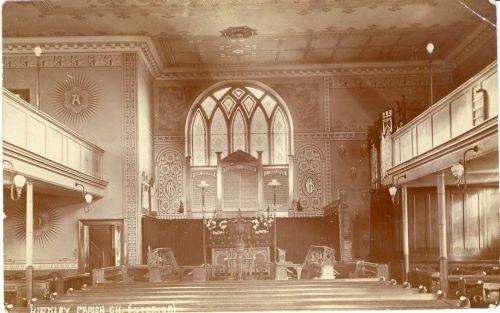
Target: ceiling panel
{"type": "Point", "coordinates": [328, 42]}
{"type": "Point", "coordinates": [346, 54]}
{"type": "Point", "coordinates": [319, 55]}
{"type": "Point", "coordinates": [186, 58]}
{"type": "Point", "coordinates": [291, 56]}
{"type": "Point", "coordinates": [180, 28]}
{"type": "Point", "coordinates": [294, 43]}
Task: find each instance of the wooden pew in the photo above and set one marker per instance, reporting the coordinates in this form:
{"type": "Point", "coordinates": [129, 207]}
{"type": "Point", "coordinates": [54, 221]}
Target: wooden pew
{"type": "Point", "coordinates": [424, 277]}
{"type": "Point", "coordinates": [73, 281]}
{"type": "Point", "coordinates": [481, 290]}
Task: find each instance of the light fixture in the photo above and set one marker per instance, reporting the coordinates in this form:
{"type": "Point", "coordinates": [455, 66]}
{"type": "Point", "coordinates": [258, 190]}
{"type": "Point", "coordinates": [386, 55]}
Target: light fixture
{"type": "Point", "coordinates": [16, 184]}
{"type": "Point", "coordinates": [38, 52]}
{"type": "Point", "coordinates": [459, 169]}
{"type": "Point", "coordinates": [87, 197]}
{"type": "Point", "coordinates": [393, 190]}
{"type": "Point", "coordinates": [430, 50]}
{"type": "Point", "coordinates": [203, 184]}
{"type": "Point", "coordinates": [274, 183]}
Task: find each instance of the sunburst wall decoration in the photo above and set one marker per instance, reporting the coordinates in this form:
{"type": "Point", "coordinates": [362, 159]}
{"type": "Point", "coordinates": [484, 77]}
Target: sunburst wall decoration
{"type": "Point", "coordinates": [76, 99]}
{"type": "Point", "coordinates": [46, 222]}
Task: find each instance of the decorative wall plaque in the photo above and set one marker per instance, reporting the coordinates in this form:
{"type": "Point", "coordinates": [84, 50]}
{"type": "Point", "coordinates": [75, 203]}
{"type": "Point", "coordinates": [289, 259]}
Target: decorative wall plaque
{"type": "Point", "coordinates": [310, 170]}
{"type": "Point", "coordinates": [46, 222]}
{"type": "Point", "coordinates": [76, 99]}
{"type": "Point", "coordinates": [170, 169]}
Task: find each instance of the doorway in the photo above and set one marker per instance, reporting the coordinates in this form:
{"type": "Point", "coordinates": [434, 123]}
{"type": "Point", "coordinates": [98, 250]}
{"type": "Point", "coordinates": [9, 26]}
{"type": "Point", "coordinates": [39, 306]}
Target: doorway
{"type": "Point", "coordinates": [100, 244]}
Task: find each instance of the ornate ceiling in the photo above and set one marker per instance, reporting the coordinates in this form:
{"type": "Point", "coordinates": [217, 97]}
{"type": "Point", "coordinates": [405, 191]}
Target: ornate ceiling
{"type": "Point", "coordinates": [188, 33]}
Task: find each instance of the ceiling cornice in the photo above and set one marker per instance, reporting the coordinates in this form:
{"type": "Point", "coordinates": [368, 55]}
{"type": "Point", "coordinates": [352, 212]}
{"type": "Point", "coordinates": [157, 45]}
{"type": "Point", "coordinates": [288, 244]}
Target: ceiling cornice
{"type": "Point", "coordinates": [474, 41]}
{"type": "Point", "coordinates": [342, 69]}
{"type": "Point", "coordinates": [88, 44]}
{"type": "Point", "coordinates": [147, 50]}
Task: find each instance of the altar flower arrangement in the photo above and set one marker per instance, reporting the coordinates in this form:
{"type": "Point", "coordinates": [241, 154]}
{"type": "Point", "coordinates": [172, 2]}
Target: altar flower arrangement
{"type": "Point", "coordinates": [216, 228]}
{"type": "Point", "coordinates": [262, 224]}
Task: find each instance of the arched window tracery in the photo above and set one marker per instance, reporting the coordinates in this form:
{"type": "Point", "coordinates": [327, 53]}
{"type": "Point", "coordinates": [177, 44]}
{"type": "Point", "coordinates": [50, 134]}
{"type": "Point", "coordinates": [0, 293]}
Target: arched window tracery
{"type": "Point", "coordinates": [239, 117]}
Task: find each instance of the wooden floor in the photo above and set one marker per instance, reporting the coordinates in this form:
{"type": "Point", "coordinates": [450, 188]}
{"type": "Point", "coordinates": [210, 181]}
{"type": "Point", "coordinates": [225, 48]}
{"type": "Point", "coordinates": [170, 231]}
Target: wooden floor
{"type": "Point", "coordinates": [246, 296]}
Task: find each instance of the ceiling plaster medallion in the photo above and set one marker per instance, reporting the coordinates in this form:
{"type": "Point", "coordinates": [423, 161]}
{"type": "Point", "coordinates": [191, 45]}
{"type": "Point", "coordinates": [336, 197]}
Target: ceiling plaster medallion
{"type": "Point", "coordinates": [241, 32]}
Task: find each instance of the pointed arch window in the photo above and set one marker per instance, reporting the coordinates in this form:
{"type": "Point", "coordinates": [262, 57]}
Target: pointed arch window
{"type": "Point", "coordinates": [280, 139]}
{"type": "Point", "coordinates": [218, 136]}
{"type": "Point", "coordinates": [199, 140]}
{"type": "Point", "coordinates": [239, 132]}
{"type": "Point", "coordinates": [239, 117]}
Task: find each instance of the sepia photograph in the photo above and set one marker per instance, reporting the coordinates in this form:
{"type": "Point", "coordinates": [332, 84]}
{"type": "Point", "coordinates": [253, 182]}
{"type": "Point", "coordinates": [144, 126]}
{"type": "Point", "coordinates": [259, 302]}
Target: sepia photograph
{"type": "Point", "coordinates": [249, 155]}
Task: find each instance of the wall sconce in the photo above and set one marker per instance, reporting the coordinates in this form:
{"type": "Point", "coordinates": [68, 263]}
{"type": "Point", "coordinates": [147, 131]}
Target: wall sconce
{"type": "Point", "coordinates": [363, 151]}
{"type": "Point", "coordinates": [341, 150]}
{"type": "Point", "coordinates": [393, 190]}
{"type": "Point", "coordinates": [86, 196]}
{"type": "Point", "coordinates": [354, 172]}
{"type": "Point", "coordinates": [16, 183]}
{"type": "Point", "coordinates": [459, 169]}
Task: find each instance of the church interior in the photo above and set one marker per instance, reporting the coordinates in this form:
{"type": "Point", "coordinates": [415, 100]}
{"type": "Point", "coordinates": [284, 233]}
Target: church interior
{"type": "Point", "coordinates": [262, 155]}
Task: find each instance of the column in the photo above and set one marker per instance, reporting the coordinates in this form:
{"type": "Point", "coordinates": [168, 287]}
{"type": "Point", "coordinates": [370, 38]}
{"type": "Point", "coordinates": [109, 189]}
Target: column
{"type": "Point", "coordinates": [290, 180]}
{"type": "Point", "coordinates": [188, 185]}
{"type": "Point", "coordinates": [260, 183]}
{"type": "Point", "coordinates": [219, 181]}
{"type": "Point", "coordinates": [29, 240]}
{"type": "Point", "coordinates": [443, 254]}
{"type": "Point", "coordinates": [404, 215]}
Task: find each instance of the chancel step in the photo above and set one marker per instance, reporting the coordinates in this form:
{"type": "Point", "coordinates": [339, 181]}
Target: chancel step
{"type": "Point", "coordinates": [248, 296]}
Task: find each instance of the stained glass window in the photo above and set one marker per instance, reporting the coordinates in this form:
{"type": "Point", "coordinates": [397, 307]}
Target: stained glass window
{"type": "Point", "coordinates": [218, 137]}
{"type": "Point", "coordinates": [245, 118]}
{"type": "Point", "coordinates": [280, 139]}
{"type": "Point", "coordinates": [239, 132]}
{"type": "Point", "coordinates": [258, 136]}
{"type": "Point", "coordinates": [199, 140]}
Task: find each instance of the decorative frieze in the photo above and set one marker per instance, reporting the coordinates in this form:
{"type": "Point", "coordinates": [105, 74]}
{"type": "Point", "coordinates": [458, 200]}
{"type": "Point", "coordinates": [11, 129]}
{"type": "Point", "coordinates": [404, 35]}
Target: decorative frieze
{"type": "Point", "coordinates": [76, 52]}
{"type": "Point", "coordinates": [345, 71]}
{"type": "Point", "coordinates": [336, 135]}
{"type": "Point", "coordinates": [41, 266]}
{"type": "Point", "coordinates": [326, 102]}
{"type": "Point", "coordinates": [130, 165]}
{"type": "Point", "coordinates": [389, 81]}
{"type": "Point", "coordinates": [158, 140]}
{"type": "Point", "coordinates": [348, 135]}
{"type": "Point", "coordinates": [62, 60]}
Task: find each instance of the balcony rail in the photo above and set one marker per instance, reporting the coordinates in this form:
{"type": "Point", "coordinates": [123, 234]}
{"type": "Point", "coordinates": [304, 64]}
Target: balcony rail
{"type": "Point", "coordinates": [28, 128]}
{"type": "Point", "coordinates": [467, 107]}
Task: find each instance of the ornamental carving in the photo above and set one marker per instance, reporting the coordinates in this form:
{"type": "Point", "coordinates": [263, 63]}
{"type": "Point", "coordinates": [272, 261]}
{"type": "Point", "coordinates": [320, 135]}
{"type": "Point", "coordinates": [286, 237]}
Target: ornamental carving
{"type": "Point", "coordinates": [303, 101]}
{"type": "Point", "coordinates": [174, 101]}
{"type": "Point", "coordinates": [310, 168]}
{"type": "Point", "coordinates": [169, 171]}
{"type": "Point", "coordinates": [76, 99]}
